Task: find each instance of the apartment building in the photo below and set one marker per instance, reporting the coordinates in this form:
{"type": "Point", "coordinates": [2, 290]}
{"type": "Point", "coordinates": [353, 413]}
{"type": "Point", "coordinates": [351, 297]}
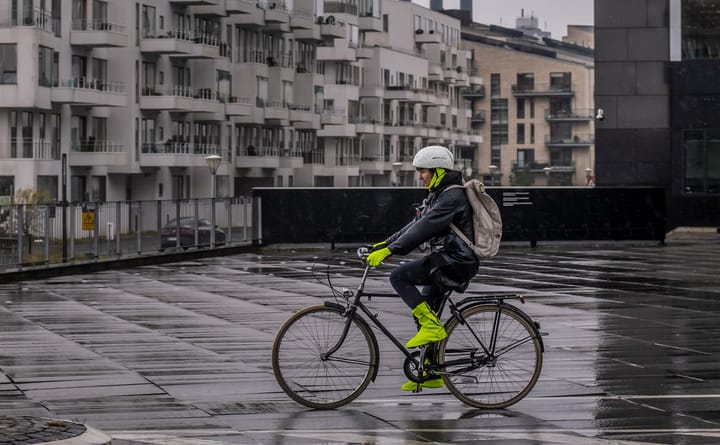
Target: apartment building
{"type": "Point", "coordinates": [116, 100]}
{"type": "Point", "coordinates": [537, 116]}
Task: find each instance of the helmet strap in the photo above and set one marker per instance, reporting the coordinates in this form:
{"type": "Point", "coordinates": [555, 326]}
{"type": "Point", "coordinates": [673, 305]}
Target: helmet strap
{"type": "Point", "coordinates": [438, 175]}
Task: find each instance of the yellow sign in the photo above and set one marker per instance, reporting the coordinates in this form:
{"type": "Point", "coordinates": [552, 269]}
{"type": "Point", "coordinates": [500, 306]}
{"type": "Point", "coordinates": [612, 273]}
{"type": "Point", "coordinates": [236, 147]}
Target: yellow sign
{"type": "Point", "coordinates": [88, 220]}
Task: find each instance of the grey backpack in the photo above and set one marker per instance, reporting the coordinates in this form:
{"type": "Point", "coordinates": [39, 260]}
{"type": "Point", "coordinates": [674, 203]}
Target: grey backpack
{"type": "Point", "coordinates": [487, 221]}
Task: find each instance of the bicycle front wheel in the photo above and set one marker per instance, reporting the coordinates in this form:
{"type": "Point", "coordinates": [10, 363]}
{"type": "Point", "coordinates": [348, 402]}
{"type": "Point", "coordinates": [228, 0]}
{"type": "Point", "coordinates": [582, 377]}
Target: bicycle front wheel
{"type": "Point", "coordinates": [493, 359]}
{"type": "Point", "coordinates": [305, 370]}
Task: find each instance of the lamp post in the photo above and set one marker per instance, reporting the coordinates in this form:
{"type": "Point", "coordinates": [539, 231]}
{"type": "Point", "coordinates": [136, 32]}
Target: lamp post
{"type": "Point", "coordinates": [590, 180]}
{"type": "Point", "coordinates": [395, 174]}
{"type": "Point", "coordinates": [493, 170]}
{"type": "Point", "coordinates": [213, 162]}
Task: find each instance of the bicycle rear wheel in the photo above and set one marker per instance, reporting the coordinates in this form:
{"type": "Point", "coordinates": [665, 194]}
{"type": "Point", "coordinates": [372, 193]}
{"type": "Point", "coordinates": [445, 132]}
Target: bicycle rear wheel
{"type": "Point", "coordinates": [505, 374]}
{"type": "Point", "coordinates": [306, 374]}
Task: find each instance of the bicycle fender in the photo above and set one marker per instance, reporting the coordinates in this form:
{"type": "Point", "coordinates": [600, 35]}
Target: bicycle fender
{"type": "Point", "coordinates": [520, 312]}
{"type": "Point", "coordinates": [340, 308]}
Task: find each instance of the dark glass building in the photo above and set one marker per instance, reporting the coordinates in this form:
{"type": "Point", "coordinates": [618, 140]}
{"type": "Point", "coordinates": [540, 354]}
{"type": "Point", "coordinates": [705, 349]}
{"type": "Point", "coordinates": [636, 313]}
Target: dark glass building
{"type": "Point", "coordinates": [657, 94]}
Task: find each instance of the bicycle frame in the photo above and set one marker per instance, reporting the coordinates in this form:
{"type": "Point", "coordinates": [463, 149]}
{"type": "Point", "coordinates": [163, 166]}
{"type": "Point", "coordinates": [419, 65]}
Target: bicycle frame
{"type": "Point", "coordinates": [455, 308]}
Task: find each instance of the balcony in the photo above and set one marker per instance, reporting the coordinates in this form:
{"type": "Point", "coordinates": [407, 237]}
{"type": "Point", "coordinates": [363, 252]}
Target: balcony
{"type": "Point", "coordinates": [302, 19]}
{"type": "Point", "coordinates": [579, 115]}
{"type": "Point", "coordinates": [370, 22]}
{"type": "Point", "coordinates": [435, 72]}
{"type": "Point", "coordinates": [301, 113]}
{"type": "Point", "coordinates": [530, 166]}
{"type": "Point", "coordinates": [276, 111]}
{"type": "Point", "coordinates": [239, 106]}
{"type": "Point", "coordinates": [97, 153]}
{"type": "Point", "coordinates": [478, 118]}
{"type": "Point", "coordinates": [368, 125]}
{"type": "Point", "coordinates": [574, 141]}
{"type": "Point", "coordinates": [333, 116]}
{"type": "Point", "coordinates": [90, 92]}
{"type": "Point", "coordinates": [534, 90]}
{"type": "Point", "coordinates": [98, 33]}
{"type": "Point", "coordinates": [240, 6]}
{"type": "Point", "coordinates": [31, 149]}
{"type": "Point", "coordinates": [204, 46]}
{"type": "Point", "coordinates": [177, 154]}
{"type": "Point", "coordinates": [180, 98]}
{"type": "Point", "coordinates": [172, 42]}
{"type": "Point", "coordinates": [277, 17]}
{"type": "Point", "coordinates": [474, 93]}
{"type": "Point", "coordinates": [339, 52]}
{"type": "Point", "coordinates": [330, 27]}
{"type": "Point", "coordinates": [257, 157]}
{"type": "Point", "coordinates": [422, 36]}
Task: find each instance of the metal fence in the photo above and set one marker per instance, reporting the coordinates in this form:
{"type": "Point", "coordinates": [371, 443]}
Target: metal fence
{"type": "Point", "coordinates": [51, 234]}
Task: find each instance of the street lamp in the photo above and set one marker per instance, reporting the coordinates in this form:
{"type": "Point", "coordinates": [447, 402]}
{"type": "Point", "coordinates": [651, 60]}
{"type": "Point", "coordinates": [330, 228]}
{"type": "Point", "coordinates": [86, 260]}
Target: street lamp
{"type": "Point", "coordinates": [395, 174]}
{"type": "Point", "coordinates": [493, 169]}
{"type": "Point", "coordinates": [213, 162]}
{"type": "Point", "coordinates": [590, 181]}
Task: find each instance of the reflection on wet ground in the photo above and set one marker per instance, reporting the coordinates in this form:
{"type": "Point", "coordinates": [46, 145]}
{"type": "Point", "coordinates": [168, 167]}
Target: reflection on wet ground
{"type": "Point", "coordinates": [179, 353]}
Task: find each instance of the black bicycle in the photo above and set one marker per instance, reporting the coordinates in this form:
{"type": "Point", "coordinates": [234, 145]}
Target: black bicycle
{"type": "Point", "coordinates": [324, 356]}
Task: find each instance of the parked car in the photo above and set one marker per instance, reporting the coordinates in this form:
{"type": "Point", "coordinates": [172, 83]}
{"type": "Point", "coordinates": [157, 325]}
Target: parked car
{"type": "Point", "coordinates": [168, 234]}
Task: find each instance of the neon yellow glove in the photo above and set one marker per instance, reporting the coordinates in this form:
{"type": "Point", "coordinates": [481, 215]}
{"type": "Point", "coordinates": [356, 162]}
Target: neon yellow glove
{"type": "Point", "coordinates": [378, 256]}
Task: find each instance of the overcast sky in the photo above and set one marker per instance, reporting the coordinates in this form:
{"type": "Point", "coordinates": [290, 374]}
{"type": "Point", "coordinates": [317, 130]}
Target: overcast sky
{"type": "Point", "coordinates": [553, 15]}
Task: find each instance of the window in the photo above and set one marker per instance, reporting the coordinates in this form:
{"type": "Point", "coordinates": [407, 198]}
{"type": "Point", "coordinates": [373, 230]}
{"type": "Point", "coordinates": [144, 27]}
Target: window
{"type": "Point", "coordinates": [520, 108]}
{"type": "Point", "coordinates": [48, 186]}
{"type": "Point", "coordinates": [45, 67]}
{"type": "Point", "coordinates": [7, 184]}
{"type": "Point", "coordinates": [8, 63]}
{"type": "Point", "coordinates": [525, 157]}
{"type": "Point", "coordinates": [98, 189]}
{"type": "Point", "coordinates": [224, 85]}
{"type": "Point", "coordinates": [148, 21]}
{"type": "Point", "coordinates": [701, 161]}
{"type": "Point", "coordinates": [495, 84]}
{"type": "Point", "coordinates": [700, 29]}
{"type": "Point", "coordinates": [79, 15]}
{"type": "Point", "coordinates": [520, 134]}
{"type": "Point", "coordinates": [525, 82]}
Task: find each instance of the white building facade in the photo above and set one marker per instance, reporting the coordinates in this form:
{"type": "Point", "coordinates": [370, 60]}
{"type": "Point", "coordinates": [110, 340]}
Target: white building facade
{"type": "Point", "coordinates": [116, 100]}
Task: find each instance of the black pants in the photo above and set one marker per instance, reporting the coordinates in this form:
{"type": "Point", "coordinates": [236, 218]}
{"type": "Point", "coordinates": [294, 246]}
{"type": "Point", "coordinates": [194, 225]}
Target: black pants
{"type": "Point", "coordinates": [406, 278]}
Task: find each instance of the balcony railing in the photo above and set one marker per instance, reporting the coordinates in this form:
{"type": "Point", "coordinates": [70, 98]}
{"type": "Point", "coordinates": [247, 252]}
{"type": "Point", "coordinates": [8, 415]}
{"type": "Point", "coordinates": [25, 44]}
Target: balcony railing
{"type": "Point", "coordinates": [583, 114]}
{"type": "Point", "coordinates": [99, 146]}
{"type": "Point", "coordinates": [29, 148]}
{"type": "Point", "coordinates": [86, 83]}
{"type": "Point", "coordinates": [97, 25]}
{"type": "Point", "coordinates": [341, 7]}
{"type": "Point", "coordinates": [574, 140]}
{"type": "Point", "coordinates": [37, 18]}
{"type": "Point", "coordinates": [546, 89]}
{"type": "Point", "coordinates": [179, 147]}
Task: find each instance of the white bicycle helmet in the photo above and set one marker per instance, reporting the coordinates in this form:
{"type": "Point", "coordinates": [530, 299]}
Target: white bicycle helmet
{"type": "Point", "coordinates": [434, 156]}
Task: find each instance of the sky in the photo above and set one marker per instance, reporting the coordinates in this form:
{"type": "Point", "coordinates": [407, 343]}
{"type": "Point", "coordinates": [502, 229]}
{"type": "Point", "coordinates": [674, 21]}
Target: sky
{"type": "Point", "coordinates": [553, 15]}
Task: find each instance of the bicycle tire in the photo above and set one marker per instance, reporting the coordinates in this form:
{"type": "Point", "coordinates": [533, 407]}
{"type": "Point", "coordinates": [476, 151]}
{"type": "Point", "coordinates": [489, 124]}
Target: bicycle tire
{"type": "Point", "coordinates": [320, 383]}
{"type": "Point", "coordinates": [508, 374]}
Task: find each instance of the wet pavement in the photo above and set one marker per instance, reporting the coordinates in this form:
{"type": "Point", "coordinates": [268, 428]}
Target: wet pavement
{"type": "Point", "coordinates": [179, 354]}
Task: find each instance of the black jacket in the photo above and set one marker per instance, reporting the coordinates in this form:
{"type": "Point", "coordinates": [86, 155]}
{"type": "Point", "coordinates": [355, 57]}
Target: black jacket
{"type": "Point", "coordinates": [453, 262]}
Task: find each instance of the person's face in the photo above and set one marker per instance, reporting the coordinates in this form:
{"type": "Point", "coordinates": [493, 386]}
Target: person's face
{"type": "Point", "coordinates": [425, 175]}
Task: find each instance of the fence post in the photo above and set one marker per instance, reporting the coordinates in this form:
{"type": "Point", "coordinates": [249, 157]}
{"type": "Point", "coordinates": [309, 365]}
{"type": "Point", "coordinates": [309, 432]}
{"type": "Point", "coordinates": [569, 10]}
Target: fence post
{"type": "Point", "coordinates": [228, 210]}
{"type": "Point", "coordinates": [72, 232]}
{"type": "Point", "coordinates": [118, 228]}
{"type": "Point", "coordinates": [20, 223]}
{"type": "Point", "coordinates": [47, 235]}
{"type": "Point", "coordinates": [96, 232]}
{"type": "Point", "coordinates": [259, 219]}
{"type": "Point", "coordinates": [245, 218]}
{"type": "Point", "coordinates": [138, 226]}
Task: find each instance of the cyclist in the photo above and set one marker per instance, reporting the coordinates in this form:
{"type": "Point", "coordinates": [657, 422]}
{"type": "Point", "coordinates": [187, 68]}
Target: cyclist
{"type": "Point", "coordinates": [450, 264]}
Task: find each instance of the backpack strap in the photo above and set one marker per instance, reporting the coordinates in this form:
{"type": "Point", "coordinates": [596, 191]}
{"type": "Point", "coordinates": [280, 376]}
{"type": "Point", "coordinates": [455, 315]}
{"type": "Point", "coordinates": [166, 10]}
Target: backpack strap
{"type": "Point", "coordinates": [455, 228]}
{"type": "Point", "coordinates": [461, 235]}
